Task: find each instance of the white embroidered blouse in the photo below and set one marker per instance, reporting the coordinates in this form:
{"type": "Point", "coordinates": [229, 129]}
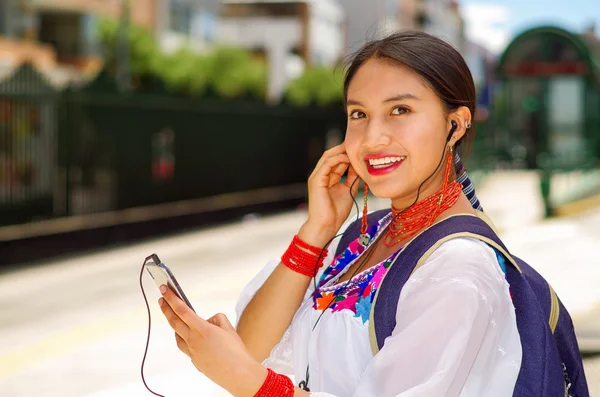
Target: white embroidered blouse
{"type": "Point", "coordinates": [455, 335]}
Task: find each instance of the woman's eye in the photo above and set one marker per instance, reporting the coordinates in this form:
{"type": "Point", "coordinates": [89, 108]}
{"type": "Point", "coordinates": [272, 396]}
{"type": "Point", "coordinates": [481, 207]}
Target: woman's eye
{"type": "Point", "coordinates": [400, 110]}
{"type": "Point", "coordinates": [357, 114]}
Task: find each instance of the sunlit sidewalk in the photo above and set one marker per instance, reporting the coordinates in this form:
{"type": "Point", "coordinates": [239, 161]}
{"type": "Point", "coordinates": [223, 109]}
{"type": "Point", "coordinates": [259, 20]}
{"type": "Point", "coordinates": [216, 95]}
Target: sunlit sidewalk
{"type": "Point", "coordinates": [77, 327]}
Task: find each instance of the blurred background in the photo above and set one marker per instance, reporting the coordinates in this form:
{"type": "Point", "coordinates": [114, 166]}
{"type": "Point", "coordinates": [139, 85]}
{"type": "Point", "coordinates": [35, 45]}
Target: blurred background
{"type": "Point", "coordinates": [189, 127]}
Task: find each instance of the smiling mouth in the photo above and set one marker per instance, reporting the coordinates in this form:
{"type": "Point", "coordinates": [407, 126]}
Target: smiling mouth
{"type": "Point", "coordinates": [384, 165]}
{"type": "Point", "coordinates": [384, 162]}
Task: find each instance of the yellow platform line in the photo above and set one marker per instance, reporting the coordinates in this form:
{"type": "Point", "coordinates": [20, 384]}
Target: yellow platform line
{"type": "Point", "coordinates": [64, 342]}
{"type": "Point", "coordinates": [61, 343]}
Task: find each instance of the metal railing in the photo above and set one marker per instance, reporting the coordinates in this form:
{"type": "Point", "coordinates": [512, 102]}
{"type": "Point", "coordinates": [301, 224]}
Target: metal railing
{"type": "Point", "coordinates": [92, 149]}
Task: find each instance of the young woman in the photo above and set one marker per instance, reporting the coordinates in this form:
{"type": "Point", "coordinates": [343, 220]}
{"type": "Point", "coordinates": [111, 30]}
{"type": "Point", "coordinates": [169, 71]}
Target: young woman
{"type": "Point", "coordinates": [410, 102]}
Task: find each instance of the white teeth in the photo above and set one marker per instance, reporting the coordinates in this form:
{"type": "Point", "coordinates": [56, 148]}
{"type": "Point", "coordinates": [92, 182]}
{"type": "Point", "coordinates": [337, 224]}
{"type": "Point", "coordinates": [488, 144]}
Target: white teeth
{"type": "Point", "coordinates": [385, 160]}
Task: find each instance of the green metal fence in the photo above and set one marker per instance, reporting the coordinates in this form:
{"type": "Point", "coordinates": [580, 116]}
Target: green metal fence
{"type": "Point", "coordinates": [28, 142]}
{"type": "Point", "coordinates": [93, 149]}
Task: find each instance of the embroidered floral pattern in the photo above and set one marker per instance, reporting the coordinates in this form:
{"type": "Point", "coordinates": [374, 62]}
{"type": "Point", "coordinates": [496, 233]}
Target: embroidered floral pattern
{"type": "Point", "coordinates": [358, 293]}
{"type": "Point", "coordinates": [324, 300]}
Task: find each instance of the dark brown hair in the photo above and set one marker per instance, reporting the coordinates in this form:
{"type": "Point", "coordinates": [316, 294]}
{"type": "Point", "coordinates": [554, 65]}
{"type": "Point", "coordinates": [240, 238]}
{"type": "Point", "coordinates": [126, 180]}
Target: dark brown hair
{"type": "Point", "coordinates": [437, 62]}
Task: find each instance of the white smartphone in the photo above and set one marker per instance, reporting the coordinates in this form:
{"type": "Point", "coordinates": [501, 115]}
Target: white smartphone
{"type": "Point", "coordinates": [162, 275]}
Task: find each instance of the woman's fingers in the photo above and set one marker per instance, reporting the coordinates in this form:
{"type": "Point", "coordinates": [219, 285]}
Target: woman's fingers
{"type": "Point", "coordinates": [352, 180]}
{"type": "Point", "coordinates": [221, 321]}
{"type": "Point", "coordinates": [182, 345]}
{"type": "Point", "coordinates": [337, 173]}
{"type": "Point", "coordinates": [180, 327]}
{"type": "Point", "coordinates": [322, 175]}
{"type": "Point", "coordinates": [341, 148]}
{"type": "Point", "coordinates": [179, 307]}
{"type": "Point", "coordinates": [180, 316]}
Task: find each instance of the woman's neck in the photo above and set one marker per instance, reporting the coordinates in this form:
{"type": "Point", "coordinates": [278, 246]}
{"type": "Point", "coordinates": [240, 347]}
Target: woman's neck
{"type": "Point", "coordinates": [428, 190]}
{"type": "Point", "coordinates": [409, 221]}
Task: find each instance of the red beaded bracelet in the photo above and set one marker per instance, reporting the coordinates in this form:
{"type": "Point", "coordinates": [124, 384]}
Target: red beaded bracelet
{"type": "Point", "coordinates": [315, 250]}
{"type": "Point", "coordinates": [303, 258]}
{"type": "Point", "coordinates": [276, 385]}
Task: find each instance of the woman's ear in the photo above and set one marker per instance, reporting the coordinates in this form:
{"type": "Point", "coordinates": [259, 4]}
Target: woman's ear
{"type": "Point", "coordinates": [462, 117]}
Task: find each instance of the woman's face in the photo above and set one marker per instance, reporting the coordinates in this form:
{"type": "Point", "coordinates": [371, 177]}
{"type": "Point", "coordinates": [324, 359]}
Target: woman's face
{"type": "Point", "coordinates": [397, 131]}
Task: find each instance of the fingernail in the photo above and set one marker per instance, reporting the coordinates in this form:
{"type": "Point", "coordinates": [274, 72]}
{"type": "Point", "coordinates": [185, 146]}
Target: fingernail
{"type": "Point", "coordinates": [163, 289]}
{"type": "Point", "coordinates": [161, 301]}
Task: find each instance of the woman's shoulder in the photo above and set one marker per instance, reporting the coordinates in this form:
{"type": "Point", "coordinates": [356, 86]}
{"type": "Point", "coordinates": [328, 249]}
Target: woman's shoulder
{"type": "Point", "coordinates": [465, 258]}
{"type": "Point", "coordinates": [470, 246]}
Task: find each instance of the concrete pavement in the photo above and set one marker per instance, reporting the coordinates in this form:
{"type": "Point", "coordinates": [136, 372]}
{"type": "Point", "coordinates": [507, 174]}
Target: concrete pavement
{"type": "Point", "coordinates": [77, 326]}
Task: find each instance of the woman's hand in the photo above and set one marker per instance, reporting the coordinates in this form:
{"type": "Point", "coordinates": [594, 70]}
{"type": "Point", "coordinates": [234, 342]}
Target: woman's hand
{"type": "Point", "coordinates": [329, 201]}
{"type": "Point", "coordinates": [214, 347]}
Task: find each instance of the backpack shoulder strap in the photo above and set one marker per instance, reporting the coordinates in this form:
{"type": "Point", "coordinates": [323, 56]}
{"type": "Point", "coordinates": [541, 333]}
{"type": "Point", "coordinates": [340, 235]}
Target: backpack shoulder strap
{"type": "Point", "coordinates": [353, 231]}
{"type": "Point", "coordinates": [414, 255]}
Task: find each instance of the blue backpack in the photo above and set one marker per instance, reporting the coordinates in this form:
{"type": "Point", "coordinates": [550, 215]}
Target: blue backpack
{"type": "Point", "coordinates": [551, 365]}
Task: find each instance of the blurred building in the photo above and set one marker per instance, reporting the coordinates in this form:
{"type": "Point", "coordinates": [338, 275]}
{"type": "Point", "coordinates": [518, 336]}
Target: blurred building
{"type": "Point", "coordinates": [12, 18]}
{"type": "Point", "coordinates": [291, 34]}
{"type": "Point", "coordinates": [441, 18]}
{"type": "Point", "coordinates": [367, 20]}
{"type": "Point", "coordinates": [481, 62]}
{"type": "Point", "coordinates": [17, 38]}
{"type": "Point", "coordinates": [446, 22]}
{"type": "Point", "coordinates": [186, 22]}
{"type": "Point", "coordinates": [311, 29]}
{"type": "Point", "coordinates": [69, 26]}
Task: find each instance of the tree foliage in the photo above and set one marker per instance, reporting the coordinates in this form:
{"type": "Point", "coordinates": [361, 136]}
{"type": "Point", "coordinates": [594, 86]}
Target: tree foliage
{"type": "Point", "coordinates": [143, 49]}
{"type": "Point", "coordinates": [318, 85]}
{"type": "Point", "coordinates": [228, 71]}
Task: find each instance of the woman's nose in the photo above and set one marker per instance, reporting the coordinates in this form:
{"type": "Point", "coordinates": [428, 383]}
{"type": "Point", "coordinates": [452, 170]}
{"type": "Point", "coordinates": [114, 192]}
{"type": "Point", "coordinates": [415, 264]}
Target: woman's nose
{"type": "Point", "coordinates": [376, 134]}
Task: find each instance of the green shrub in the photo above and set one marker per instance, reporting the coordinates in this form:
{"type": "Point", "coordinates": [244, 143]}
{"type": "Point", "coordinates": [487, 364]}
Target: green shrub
{"type": "Point", "coordinates": [143, 49]}
{"type": "Point", "coordinates": [235, 72]}
{"type": "Point", "coordinates": [318, 85]}
{"type": "Point", "coordinates": [230, 72]}
{"type": "Point", "coordinates": [184, 71]}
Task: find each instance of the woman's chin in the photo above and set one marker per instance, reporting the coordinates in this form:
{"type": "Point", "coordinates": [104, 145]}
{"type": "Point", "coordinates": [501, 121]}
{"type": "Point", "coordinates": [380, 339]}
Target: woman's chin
{"type": "Point", "coordinates": [387, 193]}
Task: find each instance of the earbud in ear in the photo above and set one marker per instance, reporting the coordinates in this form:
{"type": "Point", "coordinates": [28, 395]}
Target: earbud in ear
{"type": "Point", "coordinates": [454, 127]}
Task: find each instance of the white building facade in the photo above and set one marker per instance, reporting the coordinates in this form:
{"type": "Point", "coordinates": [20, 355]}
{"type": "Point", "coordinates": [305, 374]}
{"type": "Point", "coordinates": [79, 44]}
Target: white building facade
{"type": "Point", "coordinates": [293, 34]}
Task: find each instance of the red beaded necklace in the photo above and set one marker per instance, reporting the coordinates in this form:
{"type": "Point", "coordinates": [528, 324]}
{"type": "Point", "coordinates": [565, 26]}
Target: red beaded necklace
{"type": "Point", "coordinates": [406, 223]}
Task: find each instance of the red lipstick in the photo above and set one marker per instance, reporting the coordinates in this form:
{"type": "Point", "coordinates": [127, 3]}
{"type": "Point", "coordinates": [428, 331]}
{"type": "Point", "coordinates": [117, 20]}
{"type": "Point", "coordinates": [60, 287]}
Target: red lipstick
{"type": "Point", "coordinates": [383, 163]}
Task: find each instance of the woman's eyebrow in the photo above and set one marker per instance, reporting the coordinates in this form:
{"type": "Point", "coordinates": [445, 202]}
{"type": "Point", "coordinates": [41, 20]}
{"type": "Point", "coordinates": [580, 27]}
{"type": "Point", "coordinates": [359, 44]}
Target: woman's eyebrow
{"type": "Point", "coordinates": [395, 98]}
{"type": "Point", "coordinates": [401, 97]}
